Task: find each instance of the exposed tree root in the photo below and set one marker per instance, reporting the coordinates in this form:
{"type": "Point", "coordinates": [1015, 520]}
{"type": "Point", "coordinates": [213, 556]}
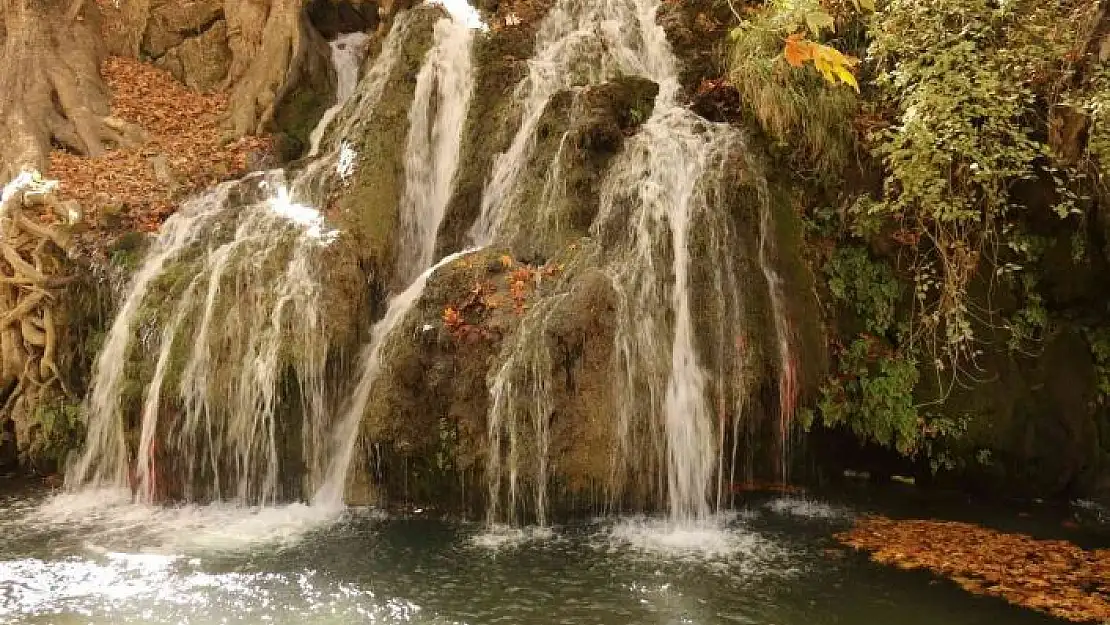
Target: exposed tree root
{"type": "Point", "coordinates": [51, 91]}
{"type": "Point", "coordinates": [30, 254]}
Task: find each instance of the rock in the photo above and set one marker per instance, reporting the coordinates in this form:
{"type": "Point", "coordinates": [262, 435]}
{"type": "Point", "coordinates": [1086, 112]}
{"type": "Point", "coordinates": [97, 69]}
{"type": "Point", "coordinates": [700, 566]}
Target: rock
{"type": "Point", "coordinates": [332, 17]}
{"type": "Point", "coordinates": [173, 21]}
{"type": "Point", "coordinates": [1035, 418]}
{"type": "Point", "coordinates": [200, 62]}
{"type": "Point", "coordinates": [689, 26]}
{"type": "Point", "coordinates": [261, 160]}
{"type": "Point", "coordinates": [164, 173]}
{"type": "Point", "coordinates": [9, 450]}
{"type": "Point", "coordinates": [206, 59]}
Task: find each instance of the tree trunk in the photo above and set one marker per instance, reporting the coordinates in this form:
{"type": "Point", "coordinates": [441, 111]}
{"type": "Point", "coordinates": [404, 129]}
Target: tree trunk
{"type": "Point", "coordinates": [274, 50]}
{"type": "Point", "coordinates": [50, 84]}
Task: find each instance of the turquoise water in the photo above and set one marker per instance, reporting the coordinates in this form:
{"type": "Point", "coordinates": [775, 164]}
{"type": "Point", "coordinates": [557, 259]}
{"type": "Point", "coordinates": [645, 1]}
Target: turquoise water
{"type": "Point", "coordinates": [94, 558]}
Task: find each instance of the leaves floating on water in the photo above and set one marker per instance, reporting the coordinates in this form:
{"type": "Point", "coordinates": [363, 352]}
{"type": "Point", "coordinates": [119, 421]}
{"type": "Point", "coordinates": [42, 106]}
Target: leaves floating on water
{"type": "Point", "coordinates": [1052, 576]}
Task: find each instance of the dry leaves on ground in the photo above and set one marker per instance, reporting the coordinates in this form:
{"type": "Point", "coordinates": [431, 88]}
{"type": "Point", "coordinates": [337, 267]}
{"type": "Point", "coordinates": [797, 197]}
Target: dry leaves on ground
{"type": "Point", "coordinates": [183, 127]}
{"type": "Point", "coordinates": [1052, 576]}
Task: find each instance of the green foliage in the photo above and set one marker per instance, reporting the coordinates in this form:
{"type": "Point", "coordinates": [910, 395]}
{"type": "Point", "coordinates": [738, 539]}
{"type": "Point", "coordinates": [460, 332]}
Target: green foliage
{"type": "Point", "coordinates": [1099, 341]}
{"type": "Point", "coordinates": [870, 287]}
{"type": "Point", "coordinates": [793, 106]}
{"type": "Point", "coordinates": [128, 251]}
{"type": "Point", "coordinates": [872, 393]}
{"type": "Point", "coordinates": [965, 78]}
{"type": "Point", "coordinates": [637, 115]}
{"type": "Point", "coordinates": [60, 430]}
{"type": "Point", "coordinates": [1092, 99]}
{"type": "Point", "coordinates": [1030, 321]}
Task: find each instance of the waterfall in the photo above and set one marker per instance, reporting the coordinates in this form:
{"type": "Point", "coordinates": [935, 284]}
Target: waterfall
{"type": "Point", "coordinates": [433, 147]}
{"type": "Point", "coordinates": [330, 493]}
{"type": "Point", "coordinates": [670, 176]}
{"type": "Point", "coordinates": [444, 86]}
{"type": "Point", "coordinates": [238, 268]}
{"type": "Point", "coordinates": [347, 52]}
{"type": "Point", "coordinates": [663, 200]}
{"type": "Point", "coordinates": [788, 373]}
{"type": "Point", "coordinates": [578, 43]}
{"type": "Point", "coordinates": [235, 267]}
{"type": "Point", "coordinates": [105, 458]}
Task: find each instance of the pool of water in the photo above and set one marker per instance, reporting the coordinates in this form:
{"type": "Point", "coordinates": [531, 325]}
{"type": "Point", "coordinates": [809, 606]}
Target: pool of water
{"type": "Point", "coordinates": [96, 558]}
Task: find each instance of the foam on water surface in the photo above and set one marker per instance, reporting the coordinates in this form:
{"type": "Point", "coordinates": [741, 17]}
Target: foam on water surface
{"type": "Point", "coordinates": [500, 536]}
{"type": "Point", "coordinates": [716, 538]}
{"type": "Point", "coordinates": [807, 509]}
{"type": "Point", "coordinates": [110, 520]}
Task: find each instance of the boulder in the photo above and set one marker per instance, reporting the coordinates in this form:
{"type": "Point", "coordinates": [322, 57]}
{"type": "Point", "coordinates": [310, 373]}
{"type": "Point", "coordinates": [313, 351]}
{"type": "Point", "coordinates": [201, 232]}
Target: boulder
{"type": "Point", "coordinates": [200, 62]}
{"type": "Point", "coordinates": [172, 22]}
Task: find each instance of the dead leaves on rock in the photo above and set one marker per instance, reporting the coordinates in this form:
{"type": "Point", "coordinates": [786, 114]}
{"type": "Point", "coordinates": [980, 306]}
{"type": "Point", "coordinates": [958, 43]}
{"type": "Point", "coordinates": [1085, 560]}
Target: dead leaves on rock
{"type": "Point", "coordinates": [182, 124]}
{"type": "Point", "coordinates": [466, 319]}
{"type": "Point", "coordinates": [1053, 576]}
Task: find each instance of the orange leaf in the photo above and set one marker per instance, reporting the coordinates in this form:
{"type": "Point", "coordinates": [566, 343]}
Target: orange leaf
{"type": "Point", "coordinates": [797, 50]}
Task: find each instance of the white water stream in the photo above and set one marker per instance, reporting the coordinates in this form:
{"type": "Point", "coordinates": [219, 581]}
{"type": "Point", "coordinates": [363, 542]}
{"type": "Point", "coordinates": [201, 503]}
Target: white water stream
{"type": "Point", "coordinates": [663, 200]}
{"type": "Point", "coordinates": [234, 285]}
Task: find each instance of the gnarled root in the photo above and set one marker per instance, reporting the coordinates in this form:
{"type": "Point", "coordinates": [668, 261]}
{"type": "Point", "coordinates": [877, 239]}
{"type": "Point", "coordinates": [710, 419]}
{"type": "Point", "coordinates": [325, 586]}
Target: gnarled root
{"type": "Point", "coordinates": [29, 264]}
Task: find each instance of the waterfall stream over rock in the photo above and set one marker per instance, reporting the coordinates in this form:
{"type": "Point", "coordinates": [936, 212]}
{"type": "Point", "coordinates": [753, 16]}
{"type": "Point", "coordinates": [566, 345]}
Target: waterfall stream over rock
{"type": "Point", "coordinates": [604, 327]}
{"type": "Point", "coordinates": [664, 196]}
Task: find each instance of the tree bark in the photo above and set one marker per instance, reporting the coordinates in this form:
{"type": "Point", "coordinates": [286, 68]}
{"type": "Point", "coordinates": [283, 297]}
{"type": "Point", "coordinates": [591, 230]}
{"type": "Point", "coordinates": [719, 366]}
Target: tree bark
{"type": "Point", "coordinates": [51, 90]}
{"type": "Point", "coordinates": [274, 49]}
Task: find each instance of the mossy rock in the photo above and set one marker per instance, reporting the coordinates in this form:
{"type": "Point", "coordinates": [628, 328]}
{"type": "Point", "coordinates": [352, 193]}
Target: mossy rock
{"type": "Point", "coordinates": [427, 415]}
{"type": "Point", "coordinates": [697, 31]}
{"type": "Point", "coordinates": [367, 208]}
{"type": "Point", "coordinates": [579, 133]}
{"type": "Point", "coordinates": [1034, 428]}
{"type": "Point", "coordinates": [308, 93]}
{"type": "Point", "coordinates": [500, 62]}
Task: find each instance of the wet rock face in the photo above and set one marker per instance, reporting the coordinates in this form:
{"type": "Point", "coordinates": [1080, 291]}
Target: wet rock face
{"type": "Point", "coordinates": [500, 62]}
{"type": "Point", "coordinates": [1034, 429]}
{"type": "Point", "coordinates": [427, 417]}
{"type": "Point", "coordinates": [336, 17]}
{"type": "Point", "coordinates": [580, 333]}
{"type": "Point", "coordinates": [583, 129]}
{"type": "Point", "coordinates": [368, 208]}
{"type": "Point", "coordinates": [696, 30]}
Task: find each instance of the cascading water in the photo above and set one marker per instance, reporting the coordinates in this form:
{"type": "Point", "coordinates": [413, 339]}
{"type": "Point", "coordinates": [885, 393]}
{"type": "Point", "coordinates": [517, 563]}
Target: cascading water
{"type": "Point", "coordinates": [237, 274]}
{"type": "Point", "coordinates": [578, 43]}
{"type": "Point", "coordinates": [662, 201]}
{"type": "Point", "coordinates": [214, 394]}
{"type": "Point", "coordinates": [237, 268]}
{"type": "Point", "coordinates": [788, 379]}
{"type": "Point", "coordinates": [442, 99]}
{"type": "Point", "coordinates": [330, 493]}
{"type": "Point", "coordinates": [347, 52]}
{"type": "Point", "coordinates": [436, 119]}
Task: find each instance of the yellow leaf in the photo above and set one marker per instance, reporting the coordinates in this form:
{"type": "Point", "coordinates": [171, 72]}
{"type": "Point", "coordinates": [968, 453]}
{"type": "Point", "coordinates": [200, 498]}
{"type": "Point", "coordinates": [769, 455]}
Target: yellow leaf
{"type": "Point", "coordinates": [833, 65]}
{"type": "Point", "coordinates": [846, 76]}
{"type": "Point", "coordinates": [507, 261]}
{"type": "Point", "coordinates": [867, 5]}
